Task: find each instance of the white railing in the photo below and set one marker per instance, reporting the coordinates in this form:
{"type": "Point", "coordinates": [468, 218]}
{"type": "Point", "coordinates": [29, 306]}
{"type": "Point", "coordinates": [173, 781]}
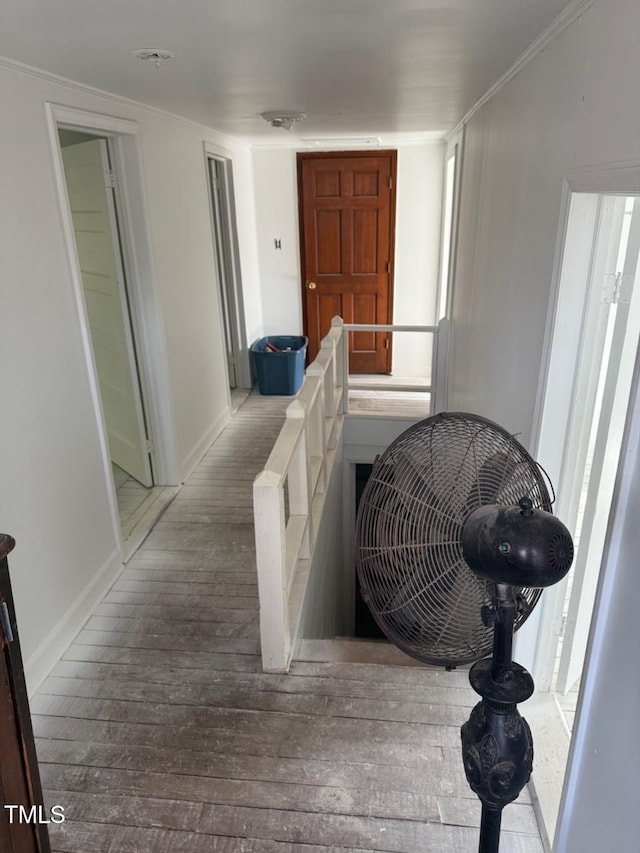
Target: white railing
{"type": "Point", "coordinates": [439, 361]}
{"type": "Point", "coordinates": [298, 468]}
{"type": "Point", "coordinates": [288, 494]}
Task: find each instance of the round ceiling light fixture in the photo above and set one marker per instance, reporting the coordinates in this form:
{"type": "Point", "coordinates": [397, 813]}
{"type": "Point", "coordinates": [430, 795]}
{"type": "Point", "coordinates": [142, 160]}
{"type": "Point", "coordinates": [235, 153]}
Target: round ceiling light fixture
{"type": "Point", "coordinates": [283, 118]}
{"type": "Point", "coordinates": [157, 55]}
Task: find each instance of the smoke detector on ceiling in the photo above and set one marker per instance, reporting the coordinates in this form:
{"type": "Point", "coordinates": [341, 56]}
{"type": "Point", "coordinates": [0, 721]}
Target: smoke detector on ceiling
{"type": "Point", "coordinates": [157, 55]}
{"type": "Point", "coordinates": [283, 118]}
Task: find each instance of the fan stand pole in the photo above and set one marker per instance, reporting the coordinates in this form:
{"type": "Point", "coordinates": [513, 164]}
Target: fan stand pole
{"type": "Point", "coordinates": [490, 830]}
{"type": "Point", "coordinates": [497, 747]}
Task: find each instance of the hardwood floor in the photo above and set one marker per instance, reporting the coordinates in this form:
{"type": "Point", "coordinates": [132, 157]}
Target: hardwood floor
{"type": "Point", "coordinates": [393, 404]}
{"type": "Point", "coordinates": [159, 732]}
{"type": "Point", "coordinates": [139, 507]}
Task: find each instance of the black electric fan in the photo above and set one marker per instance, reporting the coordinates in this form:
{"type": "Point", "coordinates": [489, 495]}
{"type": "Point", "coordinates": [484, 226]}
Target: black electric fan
{"type": "Point", "coordinates": [454, 542]}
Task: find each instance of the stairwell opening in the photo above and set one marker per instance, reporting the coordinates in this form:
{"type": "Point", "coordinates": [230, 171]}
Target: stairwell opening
{"type": "Point", "coordinates": [365, 626]}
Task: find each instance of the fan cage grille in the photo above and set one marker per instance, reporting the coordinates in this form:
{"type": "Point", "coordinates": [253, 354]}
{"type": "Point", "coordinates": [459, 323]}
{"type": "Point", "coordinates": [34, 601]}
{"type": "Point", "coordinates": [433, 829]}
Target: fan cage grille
{"type": "Point", "coordinates": [409, 557]}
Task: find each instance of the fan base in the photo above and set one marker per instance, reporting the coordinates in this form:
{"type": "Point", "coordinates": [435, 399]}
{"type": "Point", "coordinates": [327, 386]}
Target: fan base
{"type": "Point", "coordinates": [497, 751]}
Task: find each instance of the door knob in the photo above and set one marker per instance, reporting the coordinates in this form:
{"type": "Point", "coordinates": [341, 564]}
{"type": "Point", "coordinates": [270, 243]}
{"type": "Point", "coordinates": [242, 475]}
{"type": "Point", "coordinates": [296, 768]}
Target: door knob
{"type": "Point", "coordinates": [311, 285]}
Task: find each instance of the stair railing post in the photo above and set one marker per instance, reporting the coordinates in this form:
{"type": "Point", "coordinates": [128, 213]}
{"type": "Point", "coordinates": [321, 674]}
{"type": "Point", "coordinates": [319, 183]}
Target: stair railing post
{"type": "Point", "coordinates": [300, 475]}
{"type": "Point", "coordinates": [270, 536]}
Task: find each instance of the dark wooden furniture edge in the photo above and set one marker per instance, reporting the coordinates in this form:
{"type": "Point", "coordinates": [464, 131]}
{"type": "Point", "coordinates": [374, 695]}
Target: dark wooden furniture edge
{"type": "Point", "coordinates": [16, 673]}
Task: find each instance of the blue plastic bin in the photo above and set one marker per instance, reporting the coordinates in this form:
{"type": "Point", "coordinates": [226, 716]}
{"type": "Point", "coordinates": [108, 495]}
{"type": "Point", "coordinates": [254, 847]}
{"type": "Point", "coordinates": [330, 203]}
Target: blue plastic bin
{"type": "Point", "coordinates": [280, 372]}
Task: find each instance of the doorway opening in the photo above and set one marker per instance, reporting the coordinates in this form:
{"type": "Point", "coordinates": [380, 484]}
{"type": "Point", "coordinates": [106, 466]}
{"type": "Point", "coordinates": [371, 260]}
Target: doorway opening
{"type": "Point", "coordinates": [612, 326]}
{"type": "Point", "coordinates": [596, 339]}
{"type": "Point", "coordinates": [92, 196]}
{"type": "Point", "coordinates": [592, 357]}
{"type": "Point", "coordinates": [449, 230]}
{"type": "Point", "coordinates": [227, 266]}
{"type": "Point", "coordinates": [365, 624]}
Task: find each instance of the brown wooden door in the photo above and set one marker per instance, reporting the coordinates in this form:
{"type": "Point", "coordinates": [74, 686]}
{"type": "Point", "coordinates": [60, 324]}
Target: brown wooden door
{"type": "Point", "coordinates": [347, 220]}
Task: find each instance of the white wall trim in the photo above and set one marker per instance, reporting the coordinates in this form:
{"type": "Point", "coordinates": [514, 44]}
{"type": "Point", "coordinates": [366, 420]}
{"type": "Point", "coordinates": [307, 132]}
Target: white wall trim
{"type": "Point", "coordinates": [146, 316]}
{"type": "Point", "coordinates": [51, 649]}
{"type": "Point", "coordinates": [190, 462]}
{"type": "Point", "coordinates": [556, 275]}
{"type": "Point", "coordinates": [87, 120]}
{"type": "Point", "coordinates": [242, 356]}
{"type": "Point", "coordinates": [153, 366]}
{"type": "Point", "coordinates": [615, 178]}
{"type": "Point", "coordinates": [219, 151]}
{"type": "Point", "coordinates": [83, 322]}
{"type": "Point", "coordinates": [562, 22]}
{"type": "Point", "coordinates": [539, 642]}
{"type": "Point", "coordinates": [597, 669]}
{"type": "Point", "coordinates": [386, 140]}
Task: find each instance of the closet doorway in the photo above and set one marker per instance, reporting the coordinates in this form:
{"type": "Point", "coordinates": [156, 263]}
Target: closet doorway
{"type": "Point", "coordinates": [227, 268]}
{"type": "Point", "coordinates": [92, 195]}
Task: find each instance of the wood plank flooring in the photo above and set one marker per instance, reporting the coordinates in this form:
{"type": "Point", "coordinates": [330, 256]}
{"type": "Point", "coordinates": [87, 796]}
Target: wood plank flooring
{"type": "Point", "coordinates": [390, 404]}
{"type": "Point", "coordinates": [159, 732]}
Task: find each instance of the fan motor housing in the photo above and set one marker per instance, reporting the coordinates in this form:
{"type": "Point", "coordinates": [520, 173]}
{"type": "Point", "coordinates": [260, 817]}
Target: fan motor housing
{"type": "Point", "coordinates": [517, 545]}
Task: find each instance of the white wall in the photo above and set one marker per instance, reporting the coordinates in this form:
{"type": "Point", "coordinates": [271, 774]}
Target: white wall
{"type": "Point", "coordinates": [182, 247]}
{"type": "Point", "coordinates": [418, 223]}
{"type": "Point", "coordinates": [419, 200]}
{"type": "Point", "coordinates": [572, 106]}
{"type": "Point", "coordinates": [277, 218]}
{"type": "Point", "coordinates": [54, 496]}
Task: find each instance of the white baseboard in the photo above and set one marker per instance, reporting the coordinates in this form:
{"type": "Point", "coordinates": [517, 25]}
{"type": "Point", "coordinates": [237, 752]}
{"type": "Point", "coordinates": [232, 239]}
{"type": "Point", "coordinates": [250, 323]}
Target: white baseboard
{"type": "Point", "coordinates": [51, 649]}
{"type": "Point", "coordinates": [189, 464]}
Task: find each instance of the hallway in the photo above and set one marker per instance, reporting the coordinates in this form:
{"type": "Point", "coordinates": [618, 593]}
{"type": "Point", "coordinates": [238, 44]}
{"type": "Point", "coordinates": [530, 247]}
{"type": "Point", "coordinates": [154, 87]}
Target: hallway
{"type": "Point", "coordinates": [159, 732]}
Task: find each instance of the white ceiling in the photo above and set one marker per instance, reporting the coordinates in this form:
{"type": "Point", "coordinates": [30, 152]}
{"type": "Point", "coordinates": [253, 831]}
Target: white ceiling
{"type": "Point", "coordinates": [356, 67]}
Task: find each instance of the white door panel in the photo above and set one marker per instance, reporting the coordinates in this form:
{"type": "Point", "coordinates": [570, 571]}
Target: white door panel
{"type": "Point", "coordinates": [95, 226]}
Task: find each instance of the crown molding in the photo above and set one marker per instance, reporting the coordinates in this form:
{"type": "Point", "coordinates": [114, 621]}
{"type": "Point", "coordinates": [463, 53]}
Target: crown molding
{"type": "Point", "coordinates": [84, 89]}
{"type": "Point", "coordinates": [561, 23]}
{"type": "Point", "coordinates": [89, 120]}
{"type": "Point", "coordinates": [346, 143]}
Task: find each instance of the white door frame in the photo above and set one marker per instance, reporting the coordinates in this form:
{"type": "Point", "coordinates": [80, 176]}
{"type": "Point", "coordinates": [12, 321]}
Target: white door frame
{"type": "Point", "coordinates": [145, 309]}
{"type": "Point", "coordinates": [605, 179]}
{"type": "Point", "coordinates": [236, 302]}
{"type": "Point", "coordinates": [224, 265]}
{"type": "Point", "coordinates": [608, 422]}
{"type": "Point", "coordinates": [600, 785]}
{"type": "Point", "coordinates": [126, 424]}
{"type": "Point", "coordinates": [454, 148]}
{"type": "Point", "coordinates": [449, 250]}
